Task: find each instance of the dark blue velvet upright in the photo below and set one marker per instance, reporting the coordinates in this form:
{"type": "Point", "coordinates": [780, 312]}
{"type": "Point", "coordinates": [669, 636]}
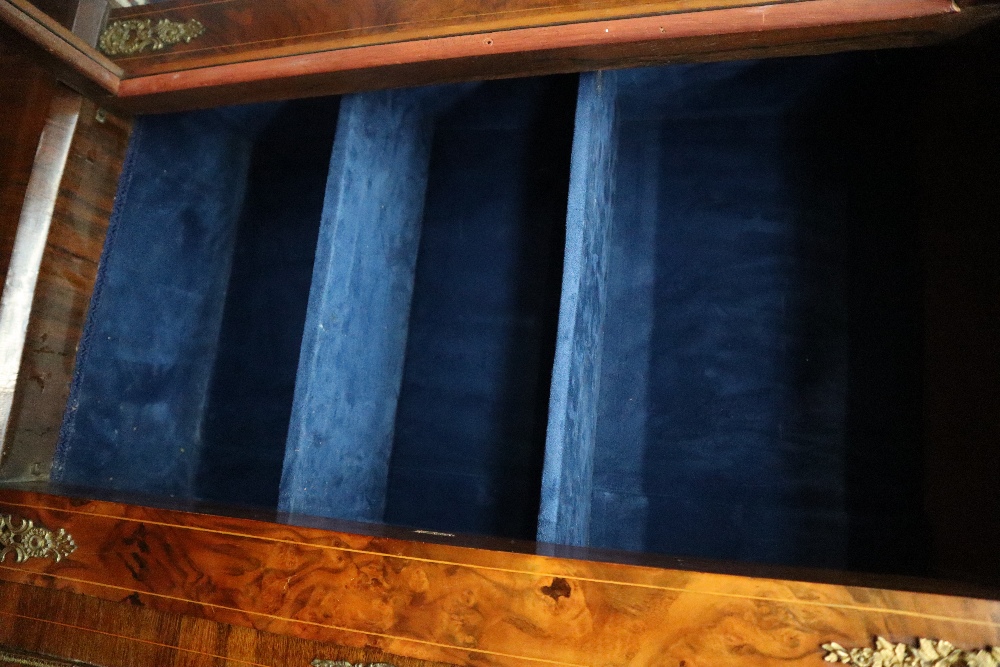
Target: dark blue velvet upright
{"type": "Point", "coordinates": [433, 414]}
{"type": "Point", "coordinates": [250, 398]}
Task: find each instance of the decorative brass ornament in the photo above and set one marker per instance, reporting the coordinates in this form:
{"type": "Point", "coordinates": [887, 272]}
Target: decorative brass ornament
{"type": "Point", "coordinates": [25, 540]}
{"type": "Point", "coordinates": [928, 653]}
{"type": "Point", "coordinates": [343, 663]}
{"type": "Point", "coordinates": [131, 36]}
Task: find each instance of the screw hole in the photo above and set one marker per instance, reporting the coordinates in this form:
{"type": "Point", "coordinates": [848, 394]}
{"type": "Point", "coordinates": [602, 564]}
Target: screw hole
{"type": "Point", "coordinates": [488, 42]}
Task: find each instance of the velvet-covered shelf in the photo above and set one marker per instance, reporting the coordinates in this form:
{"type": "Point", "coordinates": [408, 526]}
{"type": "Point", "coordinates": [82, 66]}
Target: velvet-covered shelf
{"type": "Point", "coordinates": [675, 309]}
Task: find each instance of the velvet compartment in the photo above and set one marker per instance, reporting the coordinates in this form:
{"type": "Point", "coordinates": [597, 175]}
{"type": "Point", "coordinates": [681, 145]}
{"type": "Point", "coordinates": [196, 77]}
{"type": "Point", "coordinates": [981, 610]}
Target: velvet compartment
{"type": "Point", "coordinates": [672, 309]}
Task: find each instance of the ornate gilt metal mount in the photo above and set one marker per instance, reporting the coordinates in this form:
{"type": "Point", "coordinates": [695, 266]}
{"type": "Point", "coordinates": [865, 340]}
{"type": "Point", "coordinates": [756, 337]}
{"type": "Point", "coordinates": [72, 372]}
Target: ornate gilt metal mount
{"type": "Point", "coordinates": [25, 540]}
{"type": "Point", "coordinates": [131, 36]}
{"type": "Point", "coordinates": [928, 653]}
{"type": "Point", "coordinates": [343, 663]}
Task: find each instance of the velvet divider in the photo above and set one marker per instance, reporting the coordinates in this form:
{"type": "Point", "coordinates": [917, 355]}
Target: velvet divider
{"type": "Point", "coordinates": [427, 350]}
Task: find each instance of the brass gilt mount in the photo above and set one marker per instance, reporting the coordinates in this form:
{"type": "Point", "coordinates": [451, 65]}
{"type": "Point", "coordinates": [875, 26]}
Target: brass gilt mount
{"type": "Point", "coordinates": [131, 36]}
{"type": "Point", "coordinates": [928, 653]}
{"type": "Point", "coordinates": [343, 663]}
{"type": "Point", "coordinates": [25, 540]}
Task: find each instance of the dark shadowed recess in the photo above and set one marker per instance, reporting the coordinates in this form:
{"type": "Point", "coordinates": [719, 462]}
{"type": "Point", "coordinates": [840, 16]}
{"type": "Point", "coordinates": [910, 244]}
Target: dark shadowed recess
{"type": "Point", "coordinates": [770, 389]}
{"type": "Point", "coordinates": [761, 378]}
{"type": "Point", "coordinates": [186, 367]}
{"type": "Point", "coordinates": [470, 426]}
{"type": "Point", "coordinates": [249, 401]}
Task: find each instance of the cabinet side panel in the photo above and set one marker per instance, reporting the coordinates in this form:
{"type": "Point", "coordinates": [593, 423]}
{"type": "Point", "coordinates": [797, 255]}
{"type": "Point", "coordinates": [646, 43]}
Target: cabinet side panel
{"type": "Point", "coordinates": [65, 282]}
{"type": "Point", "coordinates": [24, 103]}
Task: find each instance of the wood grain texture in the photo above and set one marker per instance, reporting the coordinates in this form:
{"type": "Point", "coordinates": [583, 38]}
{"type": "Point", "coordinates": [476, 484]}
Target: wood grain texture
{"type": "Point", "coordinates": [115, 634]}
{"type": "Point", "coordinates": [29, 244]}
{"type": "Point", "coordinates": [813, 26]}
{"type": "Point", "coordinates": [62, 295]}
{"type": "Point", "coordinates": [70, 57]}
{"type": "Point", "coordinates": [24, 102]}
{"type": "Point", "coordinates": [245, 30]}
{"type": "Point", "coordinates": [469, 606]}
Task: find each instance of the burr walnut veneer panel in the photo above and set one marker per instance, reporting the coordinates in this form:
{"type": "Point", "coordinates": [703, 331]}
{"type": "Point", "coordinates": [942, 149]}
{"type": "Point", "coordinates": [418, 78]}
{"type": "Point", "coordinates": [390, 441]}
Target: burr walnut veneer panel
{"type": "Point", "coordinates": [464, 605]}
{"type": "Point", "coordinates": [38, 623]}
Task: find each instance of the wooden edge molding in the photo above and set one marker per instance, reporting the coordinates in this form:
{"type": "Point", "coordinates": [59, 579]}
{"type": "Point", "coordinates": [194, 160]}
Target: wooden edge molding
{"type": "Point", "coordinates": [790, 28]}
{"type": "Point", "coordinates": [467, 606]}
{"type": "Point", "coordinates": [815, 25]}
{"type": "Point", "coordinates": [54, 39]}
{"type": "Point", "coordinates": [248, 30]}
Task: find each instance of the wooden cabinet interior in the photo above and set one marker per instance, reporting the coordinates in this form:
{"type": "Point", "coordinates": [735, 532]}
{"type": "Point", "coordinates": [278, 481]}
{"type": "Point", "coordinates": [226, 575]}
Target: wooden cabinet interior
{"type": "Point", "coordinates": [743, 365]}
{"type": "Point", "coordinates": [744, 311]}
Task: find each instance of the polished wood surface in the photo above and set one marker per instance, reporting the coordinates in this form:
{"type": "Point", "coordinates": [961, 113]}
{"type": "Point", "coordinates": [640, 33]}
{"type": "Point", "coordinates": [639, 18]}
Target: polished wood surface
{"type": "Point", "coordinates": [60, 624]}
{"type": "Point", "coordinates": [66, 277]}
{"type": "Point", "coordinates": [254, 51]}
{"type": "Point", "coordinates": [245, 30]}
{"type": "Point", "coordinates": [29, 244]}
{"type": "Point", "coordinates": [468, 606]}
{"type": "Point", "coordinates": [24, 102]}
{"type": "Point", "coordinates": [55, 46]}
{"type": "Point", "coordinates": [812, 26]}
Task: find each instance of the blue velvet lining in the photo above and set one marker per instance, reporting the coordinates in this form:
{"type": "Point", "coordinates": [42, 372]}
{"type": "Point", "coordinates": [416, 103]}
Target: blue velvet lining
{"type": "Point", "coordinates": [250, 399]}
{"type": "Point", "coordinates": [565, 512]}
{"type": "Point", "coordinates": [340, 440]}
{"type": "Point", "coordinates": [470, 427]}
{"type": "Point", "coordinates": [759, 296]}
{"type": "Point", "coordinates": [735, 370]}
{"type": "Point", "coordinates": [450, 395]}
{"type": "Point", "coordinates": [150, 408]}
